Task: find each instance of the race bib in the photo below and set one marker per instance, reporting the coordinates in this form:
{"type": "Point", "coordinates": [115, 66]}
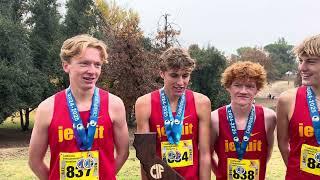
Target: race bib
{"type": "Point", "coordinates": [177, 155]}
{"type": "Point", "coordinates": [310, 159]}
{"type": "Point", "coordinates": [79, 165]}
{"type": "Point", "coordinates": [243, 169]}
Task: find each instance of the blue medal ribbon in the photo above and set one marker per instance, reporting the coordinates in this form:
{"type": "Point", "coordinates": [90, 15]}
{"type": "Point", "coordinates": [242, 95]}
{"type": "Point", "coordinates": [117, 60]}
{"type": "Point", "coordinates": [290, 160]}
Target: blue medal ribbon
{"type": "Point", "coordinates": [173, 125]}
{"type": "Point", "coordinates": [84, 137]}
{"type": "Point", "coordinates": [241, 146]}
{"type": "Point", "coordinates": [314, 113]}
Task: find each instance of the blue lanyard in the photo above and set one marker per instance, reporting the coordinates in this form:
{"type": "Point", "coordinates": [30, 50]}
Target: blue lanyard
{"type": "Point", "coordinates": [241, 146]}
{"type": "Point", "coordinates": [84, 139]}
{"type": "Point", "coordinates": [173, 125]}
{"type": "Point", "coordinates": [314, 114]}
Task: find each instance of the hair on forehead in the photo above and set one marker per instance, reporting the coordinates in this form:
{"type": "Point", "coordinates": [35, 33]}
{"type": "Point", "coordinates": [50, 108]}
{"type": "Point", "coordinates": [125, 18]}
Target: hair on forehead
{"type": "Point", "coordinates": [309, 47]}
{"type": "Point", "coordinates": [176, 58]}
{"type": "Point", "coordinates": [76, 45]}
{"type": "Point", "coordinates": [244, 71]}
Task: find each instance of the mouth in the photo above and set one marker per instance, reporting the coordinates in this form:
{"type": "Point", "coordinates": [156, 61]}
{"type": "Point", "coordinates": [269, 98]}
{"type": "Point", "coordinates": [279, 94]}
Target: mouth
{"type": "Point", "coordinates": [179, 89]}
{"type": "Point", "coordinates": [89, 79]}
{"type": "Point", "coordinates": [305, 76]}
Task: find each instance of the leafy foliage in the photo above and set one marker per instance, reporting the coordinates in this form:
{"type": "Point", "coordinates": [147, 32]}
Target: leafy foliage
{"type": "Point", "coordinates": [131, 69]}
{"type": "Point", "coordinates": [20, 81]}
{"type": "Point", "coordinates": [210, 63]}
{"type": "Point", "coordinates": [282, 57]}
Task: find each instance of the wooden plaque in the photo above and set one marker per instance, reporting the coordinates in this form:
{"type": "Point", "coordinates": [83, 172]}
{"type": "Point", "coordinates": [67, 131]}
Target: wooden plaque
{"type": "Point", "coordinates": [155, 168]}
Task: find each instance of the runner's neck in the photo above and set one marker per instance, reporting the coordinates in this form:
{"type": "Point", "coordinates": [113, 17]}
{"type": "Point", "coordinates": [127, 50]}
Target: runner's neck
{"type": "Point", "coordinates": [241, 113]}
{"type": "Point", "coordinates": [173, 100]}
{"type": "Point", "coordinates": [83, 98]}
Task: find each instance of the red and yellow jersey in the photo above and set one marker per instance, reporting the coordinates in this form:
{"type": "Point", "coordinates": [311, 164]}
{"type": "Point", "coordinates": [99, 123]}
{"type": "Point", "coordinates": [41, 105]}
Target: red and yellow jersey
{"type": "Point", "coordinates": [256, 147]}
{"type": "Point", "coordinates": [184, 158]}
{"type": "Point", "coordinates": [62, 138]}
{"type": "Point", "coordinates": [300, 132]}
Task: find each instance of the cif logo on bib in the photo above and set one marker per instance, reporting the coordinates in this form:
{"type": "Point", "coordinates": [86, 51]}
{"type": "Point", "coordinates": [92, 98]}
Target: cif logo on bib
{"type": "Point", "coordinates": [240, 170]}
{"type": "Point", "coordinates": [156, 171]}
{"type": "Point", "coordinates": [317, 157]}
{"type": "Point", "coordinates": [85, 163]}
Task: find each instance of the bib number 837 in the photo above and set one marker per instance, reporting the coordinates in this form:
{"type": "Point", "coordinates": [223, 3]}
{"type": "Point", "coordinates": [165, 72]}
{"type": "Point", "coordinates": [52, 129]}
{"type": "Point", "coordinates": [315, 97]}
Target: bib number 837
{"type": "Point", "coordinates": [71, 172]}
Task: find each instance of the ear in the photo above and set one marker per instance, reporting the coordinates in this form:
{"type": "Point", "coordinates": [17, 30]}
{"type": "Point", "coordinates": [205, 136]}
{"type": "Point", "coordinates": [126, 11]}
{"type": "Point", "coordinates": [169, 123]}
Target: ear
{"type": "Point", "coordinates": [162, 74]}
{"type": "Point", "coordinates": [65, 66]}
{"type": "Point", "coordinates": [228, 89]}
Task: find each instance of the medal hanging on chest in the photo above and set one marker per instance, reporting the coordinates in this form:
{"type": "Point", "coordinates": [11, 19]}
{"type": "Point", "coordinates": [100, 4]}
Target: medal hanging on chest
{"type": "Point", "coordinates": [173, 125]}
{"type": "Point", "coordinates": [84, 137]}
{"type": "Point", "coordinates": [240, 146]}
{"type": "Point", "coordinates": [314, 113]}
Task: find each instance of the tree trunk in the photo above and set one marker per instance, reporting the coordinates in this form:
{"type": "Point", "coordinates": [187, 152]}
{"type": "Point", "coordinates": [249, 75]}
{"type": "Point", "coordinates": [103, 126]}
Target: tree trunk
{"type": "Point", "coordinates": [24, 119]}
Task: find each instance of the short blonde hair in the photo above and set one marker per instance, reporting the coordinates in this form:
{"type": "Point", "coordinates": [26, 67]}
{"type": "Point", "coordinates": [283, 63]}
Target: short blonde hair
{"type": "Point", "coordinates": [309, 47]}
{"type": "Point", "coordinates": [244, 70]}
{"type": "Point", "coordinates": [74, 46]}
{"type": "Point", "coordinates": [176, 58]}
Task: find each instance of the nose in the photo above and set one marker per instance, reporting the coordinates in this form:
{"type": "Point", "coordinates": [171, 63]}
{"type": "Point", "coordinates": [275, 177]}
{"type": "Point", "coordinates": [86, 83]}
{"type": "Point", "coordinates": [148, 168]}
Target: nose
{"type": "Point", "coordinates": [180, 80]}
{"type": "Point", "coordinates": [243, 90]}
{"type": "Point", "coordinates": [91, 69]}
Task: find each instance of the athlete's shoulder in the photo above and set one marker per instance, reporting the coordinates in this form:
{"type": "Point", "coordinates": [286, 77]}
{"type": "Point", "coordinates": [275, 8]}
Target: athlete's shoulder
{"type": "Point", "coordinates": [269, 113]}
{"type": "Point", "coordinates": [115, 101]}
{"type": "Point", "coordinates": [44, 112]}
{"type": "Point", "coordinates": [47, 105]}
{"type": "Point", "coordinates": [201, 98]}
{"type": "Point", "coordinates": [288, 94]}
{"type": "Point", "coordinates": [144, 100]}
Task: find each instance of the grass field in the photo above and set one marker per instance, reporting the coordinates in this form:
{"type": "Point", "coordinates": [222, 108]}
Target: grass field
{"type": "Point", "coordinates": [13, 157]}
{"type": "Point", "coordinates": [14, 151]}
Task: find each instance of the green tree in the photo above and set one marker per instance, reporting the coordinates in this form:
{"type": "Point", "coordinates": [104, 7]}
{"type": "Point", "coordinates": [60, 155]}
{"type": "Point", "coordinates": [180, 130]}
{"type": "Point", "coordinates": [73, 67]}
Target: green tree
{"type": "Point", "coordinates": [282, 57]}
{"type": "Point", "coordinates": [81, 18]}
{"type": "Point", "coordinates": [19, 79]}
{"type": "Point", "coordinates": [210, 63]}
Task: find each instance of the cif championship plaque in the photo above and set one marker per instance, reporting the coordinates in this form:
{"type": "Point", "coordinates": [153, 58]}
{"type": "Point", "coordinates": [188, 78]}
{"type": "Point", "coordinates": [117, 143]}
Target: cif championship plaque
{"type": "Point", "coordinates": [154, 167]}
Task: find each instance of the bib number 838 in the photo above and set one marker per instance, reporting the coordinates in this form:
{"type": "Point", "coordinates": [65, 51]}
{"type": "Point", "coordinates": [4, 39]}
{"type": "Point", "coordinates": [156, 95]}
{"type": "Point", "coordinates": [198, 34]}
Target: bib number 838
{"type": "Point", "coordinates": [312, 163]}
{"type": "Point", "coordinates": [245, 175]}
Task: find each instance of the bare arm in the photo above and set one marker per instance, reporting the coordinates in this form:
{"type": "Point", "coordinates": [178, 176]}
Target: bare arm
{"type": "Point", "coordinates": [142, 112]}
{"type": "Point", "coordinates": [120, 130]}
{"type": "Point", "coordinates": [39, 139]}
{"type": "Point", "coordinates": [203, 107]}
{"type": "Point", "coordinates": [284, 107]}
{"type": "Point", "coordinates": [214, 135]}
{"type": "Point", "coordinates": [270, 124]}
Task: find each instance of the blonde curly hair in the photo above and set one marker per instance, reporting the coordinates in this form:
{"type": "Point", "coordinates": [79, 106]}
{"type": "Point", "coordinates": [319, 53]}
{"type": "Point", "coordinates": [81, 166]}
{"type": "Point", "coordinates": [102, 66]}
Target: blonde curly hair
{"type": "Point", "coordinates": [309, 47]}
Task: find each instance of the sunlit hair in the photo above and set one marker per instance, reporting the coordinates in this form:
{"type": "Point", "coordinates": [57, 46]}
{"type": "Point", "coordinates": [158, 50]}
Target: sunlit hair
{"type": "Point", "coordinates": [244, 70]}
{"type": "Point", "coordinates": [309, 47]}
{"type": "Point", "coordinates": [76, 45]}
{"type": "Point", "coordinates": [176, 58]}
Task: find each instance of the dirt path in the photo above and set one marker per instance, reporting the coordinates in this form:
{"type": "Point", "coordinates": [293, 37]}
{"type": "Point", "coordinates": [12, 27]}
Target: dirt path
{"type": "Point", "coordinates": [276, 88]}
